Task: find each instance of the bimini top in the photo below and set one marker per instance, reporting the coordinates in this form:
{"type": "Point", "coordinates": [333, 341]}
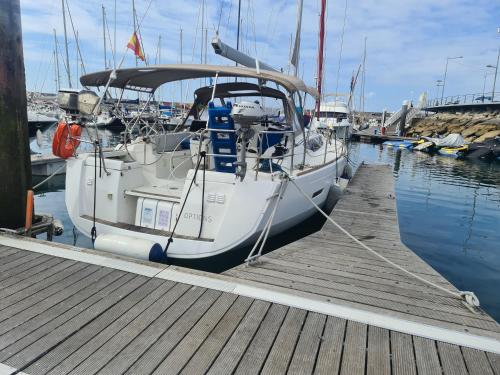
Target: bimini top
{"type": "Point", "coordinates": [149, 78]}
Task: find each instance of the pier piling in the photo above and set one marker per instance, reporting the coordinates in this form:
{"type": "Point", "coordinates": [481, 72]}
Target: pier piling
{"type": "Point", "coordinates": [15, 171]}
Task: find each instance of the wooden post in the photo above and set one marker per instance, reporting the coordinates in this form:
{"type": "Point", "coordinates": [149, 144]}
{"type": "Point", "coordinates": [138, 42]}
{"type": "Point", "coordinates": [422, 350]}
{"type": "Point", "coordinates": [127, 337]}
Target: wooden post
{"type": "Point", "coordinates": [15, 163]}
{"type": "Point", "coordinates": [402, 121]}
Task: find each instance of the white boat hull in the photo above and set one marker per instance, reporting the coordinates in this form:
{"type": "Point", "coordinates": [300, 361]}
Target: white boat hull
{"type": "Point", "coordinates": [247, 208]}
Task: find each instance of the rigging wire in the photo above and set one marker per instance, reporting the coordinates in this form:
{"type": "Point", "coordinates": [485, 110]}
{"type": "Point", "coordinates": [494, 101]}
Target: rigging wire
{"type": "Point", "coordinates": [341, 48]}
{"type": "Point", "coordinates": [76, 39]}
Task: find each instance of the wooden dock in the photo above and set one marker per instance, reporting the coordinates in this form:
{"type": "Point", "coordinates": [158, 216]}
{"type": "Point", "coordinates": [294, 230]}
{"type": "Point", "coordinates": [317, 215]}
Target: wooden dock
{"type": "Point", "coordinates": [318, 306]}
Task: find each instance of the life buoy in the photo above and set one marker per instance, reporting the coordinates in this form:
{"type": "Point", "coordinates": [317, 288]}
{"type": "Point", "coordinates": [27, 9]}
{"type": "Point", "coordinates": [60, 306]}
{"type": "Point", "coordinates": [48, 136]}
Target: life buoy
{"type": "Point", "coordinates": [65, 140]}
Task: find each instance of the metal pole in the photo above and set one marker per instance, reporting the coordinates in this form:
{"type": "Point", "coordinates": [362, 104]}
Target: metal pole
{"type": "Point", "coordinates": [114, 38]}
{"type": "Point", "coordinates": [320, 56]}
{"type": "Point", "coordinates": [444, 79]}
{"type": "Point", "coordinates": [104, 36]}
{"type": "Point", "coordinates": [68, 70]}
{"type": "Point", "coordinates": [58, 76]}
{"type": "Point", "coordinates": [15, 165]}
{"type": "Point", "coordinates": [182, 86]}
{"type": "Point", "coordinates": [495, 79]}
{"type": "Point", "coordinates": [135, 30]}
{"type": "Point", "coordinates": [484, 86]}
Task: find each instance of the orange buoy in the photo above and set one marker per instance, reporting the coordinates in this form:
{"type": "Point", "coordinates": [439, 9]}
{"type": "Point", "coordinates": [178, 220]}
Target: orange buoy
{"type": "Point", "coordinates": [66, 140]}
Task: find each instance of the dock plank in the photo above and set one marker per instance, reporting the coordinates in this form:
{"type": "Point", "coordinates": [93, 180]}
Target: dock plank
{"type": "Point", "coordinates": [236, 346]}
{"type": "Point", "coordinates": [282, 350]}
{"type": "Point", "coordinates": [257, 351]}
{"type": "Point", "coordinates": [353, 359]}
{"type": "Point", "coordinates": [212, 346]}
{"type": "Point", "coordinates": [180, 355]}
{"type": "Point", "coordinates": [378, 352]}
{"type": "Point", "coordinates": [304, 356]}
{"type": "Point", "coordinates": [403, 354]}
{"type": "Point", "coordinates": [121, 352]}
{"type": "Point", "coordinates": [330, 351]}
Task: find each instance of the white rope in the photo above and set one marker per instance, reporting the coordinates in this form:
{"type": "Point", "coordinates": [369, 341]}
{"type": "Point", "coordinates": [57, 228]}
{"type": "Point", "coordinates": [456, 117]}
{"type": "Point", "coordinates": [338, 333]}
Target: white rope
{"type": "Point", "coordinates": [265, 231]}
{"type": "Point", "coordinates": [469, 297]}
{"type": "Point", "coordinates": [48, 178]}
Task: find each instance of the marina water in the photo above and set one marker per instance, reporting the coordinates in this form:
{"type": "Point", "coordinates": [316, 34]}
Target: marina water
{"type": "Point", "coordinates": [448, 210]}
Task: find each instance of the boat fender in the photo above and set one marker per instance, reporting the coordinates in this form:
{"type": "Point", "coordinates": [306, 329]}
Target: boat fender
{"type": "Point", "coordinates": [66, 140]}
{"type": "Point", "coordinates": [132, 247]}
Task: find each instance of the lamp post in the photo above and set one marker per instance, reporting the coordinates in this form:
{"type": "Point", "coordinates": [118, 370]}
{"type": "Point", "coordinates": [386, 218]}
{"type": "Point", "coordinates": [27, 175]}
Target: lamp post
{"type": "Point", "coordinates": [439, 83]}
{"type": "Point", "coordinates": [445, 72]}
{"type": "Point", "coordinates": [493, 90]}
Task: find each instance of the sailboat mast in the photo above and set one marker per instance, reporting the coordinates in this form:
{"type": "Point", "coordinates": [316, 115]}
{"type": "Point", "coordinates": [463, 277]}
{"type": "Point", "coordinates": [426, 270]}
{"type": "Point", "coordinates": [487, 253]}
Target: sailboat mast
{"type": "Point", "coordinates": [180, 47]}
{"type": "Point", "coordinates": [362, 90]}
{"type": "Point", "coordinates": [114, 38]}
{"type": "Point", "coordinates": [321, 54]}
{"type": "Point", "coordinates": [68, 70]}
{"type": "Point", "coordinates": [202, 30]}
{"type": "Point", "coordinates": [104, 36]}
{"type": "Point", "coordinates": [56, 62]}
{"type": "Point", "coordinates": [135, 26]}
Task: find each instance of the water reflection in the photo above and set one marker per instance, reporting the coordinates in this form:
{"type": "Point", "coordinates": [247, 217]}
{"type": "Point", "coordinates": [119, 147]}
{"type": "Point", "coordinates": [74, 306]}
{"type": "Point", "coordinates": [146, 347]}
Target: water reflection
{"type": "Point", "coordinates": [449, 214]}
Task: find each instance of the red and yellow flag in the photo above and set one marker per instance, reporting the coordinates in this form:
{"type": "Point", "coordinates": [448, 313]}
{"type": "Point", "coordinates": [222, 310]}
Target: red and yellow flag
{"type": "Point", "coordinates": [135, 45]}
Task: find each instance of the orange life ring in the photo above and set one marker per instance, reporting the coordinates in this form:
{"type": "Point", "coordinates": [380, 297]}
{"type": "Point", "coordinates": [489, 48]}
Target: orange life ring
{"type": "Point", "coordinates": [65, 140]}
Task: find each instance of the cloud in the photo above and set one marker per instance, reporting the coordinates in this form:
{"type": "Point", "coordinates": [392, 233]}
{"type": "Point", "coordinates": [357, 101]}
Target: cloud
{"type": "Point", "coordinates": [407, 41]}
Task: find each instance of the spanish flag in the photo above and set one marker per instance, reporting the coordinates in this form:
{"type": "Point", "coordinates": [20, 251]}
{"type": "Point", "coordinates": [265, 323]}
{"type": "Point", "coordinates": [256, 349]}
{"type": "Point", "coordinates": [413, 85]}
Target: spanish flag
{"type": "Point", "coordinates": [135, 45]}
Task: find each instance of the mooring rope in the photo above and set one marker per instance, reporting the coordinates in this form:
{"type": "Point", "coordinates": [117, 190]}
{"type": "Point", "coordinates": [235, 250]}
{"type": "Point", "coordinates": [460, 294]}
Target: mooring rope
{"type": "Point", "coordinates": [265, 231]}
{"type": "Point", "coordinates": [468, 297]}
{"type": "Point", "coordinates": [51, 176]}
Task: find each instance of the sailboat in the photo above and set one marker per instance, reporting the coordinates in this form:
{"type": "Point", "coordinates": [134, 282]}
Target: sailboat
{"type": "Point", "coordinates": [212, 189]}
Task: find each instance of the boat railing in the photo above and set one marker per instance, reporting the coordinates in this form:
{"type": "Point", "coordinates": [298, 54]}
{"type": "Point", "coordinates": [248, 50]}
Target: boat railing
{"type": "Point", "coordinates": [259, 155]}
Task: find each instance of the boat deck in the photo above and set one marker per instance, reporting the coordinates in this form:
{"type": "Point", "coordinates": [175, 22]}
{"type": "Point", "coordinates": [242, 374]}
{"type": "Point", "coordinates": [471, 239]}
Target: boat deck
{"type": "Point", "coordinates": [65, 310]}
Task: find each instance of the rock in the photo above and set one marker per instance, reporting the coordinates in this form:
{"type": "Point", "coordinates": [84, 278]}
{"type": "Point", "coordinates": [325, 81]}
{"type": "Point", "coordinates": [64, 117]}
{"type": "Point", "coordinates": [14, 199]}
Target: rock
{"type": "Point", "coordinates": [470, 139]}
{"type": "Point", "coordinates": [488, 135]}
{"type": "Point", "coordinates": [470, 130]}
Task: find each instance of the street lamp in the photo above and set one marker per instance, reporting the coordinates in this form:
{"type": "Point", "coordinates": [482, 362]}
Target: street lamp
{"type": "Point", "coordinates": [439, 83]}
{"type": "Point", "coordinates": [446, 71]}
{"type": "Point", "coordinates": [494, 80]}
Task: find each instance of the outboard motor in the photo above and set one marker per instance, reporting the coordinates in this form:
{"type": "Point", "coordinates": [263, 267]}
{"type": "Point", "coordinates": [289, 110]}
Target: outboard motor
{"type": "Point", "coordinates": [245, 114]}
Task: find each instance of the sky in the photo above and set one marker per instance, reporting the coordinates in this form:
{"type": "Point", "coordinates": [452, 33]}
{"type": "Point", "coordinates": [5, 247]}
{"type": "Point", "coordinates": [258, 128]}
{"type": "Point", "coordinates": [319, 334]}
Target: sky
{"type": "Point", "coordinates": [408, 41]}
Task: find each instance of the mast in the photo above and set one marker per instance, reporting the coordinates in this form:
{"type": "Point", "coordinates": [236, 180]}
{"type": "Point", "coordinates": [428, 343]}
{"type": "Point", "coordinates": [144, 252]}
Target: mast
{"type": "Point", "coordinates": [202, 30]}
{"type": "Point", "coordinates": [321, 54]}
{"type": "Point", "coordinates": [77, 59]}
{"type": "Point", "coordinates": [114, 38]}
{"type": "Point", "coordinates": [56, 62]}
{"type": "Point", "coordinates": [68, 70]}
{"type": "Point", "coordinates": [104, 36]}
{"type": "Point", "coordinates": [238, 29]}
{"type": "Point", "coordinates": [135, 26]}
{"type": "Point", "coordinates": [181, 42]}
{"type": "Point", "coordinates": [362, 91]}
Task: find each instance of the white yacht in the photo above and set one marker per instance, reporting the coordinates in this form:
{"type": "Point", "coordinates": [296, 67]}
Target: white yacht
{"type": "Point", "coordinates": [334, 116]}
{"type": "Point", "coordinates": [213, 188]}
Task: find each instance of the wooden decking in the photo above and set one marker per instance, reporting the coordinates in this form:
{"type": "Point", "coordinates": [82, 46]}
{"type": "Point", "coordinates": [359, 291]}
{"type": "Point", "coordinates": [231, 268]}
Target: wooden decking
{"type": "Point", "coordinates": [304, 310]}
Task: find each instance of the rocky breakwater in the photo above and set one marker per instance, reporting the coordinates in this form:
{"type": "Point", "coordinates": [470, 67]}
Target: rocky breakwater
{"type": "Point", "coordinates": [474, 127]}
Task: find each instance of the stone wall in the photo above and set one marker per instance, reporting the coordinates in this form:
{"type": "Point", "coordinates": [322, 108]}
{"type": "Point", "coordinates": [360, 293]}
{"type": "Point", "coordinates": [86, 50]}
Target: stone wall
{"type": "Point", "coordinates": [474, 127]}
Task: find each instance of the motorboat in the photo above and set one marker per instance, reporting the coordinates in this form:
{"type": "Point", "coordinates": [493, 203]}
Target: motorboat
{"type": "Point", "coordinates": [333, 116]}
{"type": "Point", "coordinates": [210, 188]}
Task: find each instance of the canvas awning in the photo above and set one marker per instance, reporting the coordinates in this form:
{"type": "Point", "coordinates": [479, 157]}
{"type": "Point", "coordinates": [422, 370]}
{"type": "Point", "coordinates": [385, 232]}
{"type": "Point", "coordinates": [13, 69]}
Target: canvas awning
{"type": "Point", "coordinates": [151, 77]}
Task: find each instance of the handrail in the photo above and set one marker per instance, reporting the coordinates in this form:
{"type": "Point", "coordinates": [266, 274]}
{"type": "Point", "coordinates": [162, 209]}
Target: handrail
{"type": "Point", "coordinates": [475, 98]}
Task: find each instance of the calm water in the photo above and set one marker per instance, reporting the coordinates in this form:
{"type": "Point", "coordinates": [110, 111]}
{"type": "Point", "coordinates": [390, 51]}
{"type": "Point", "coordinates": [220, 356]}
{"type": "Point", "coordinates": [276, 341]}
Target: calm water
{"type": "Point", "coordinates": [449, 214]}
